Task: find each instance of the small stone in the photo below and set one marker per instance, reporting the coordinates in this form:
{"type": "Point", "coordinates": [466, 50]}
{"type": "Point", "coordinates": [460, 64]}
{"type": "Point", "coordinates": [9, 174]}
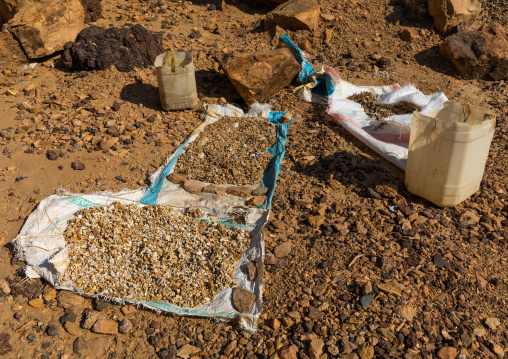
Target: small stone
{"type": "Point", "coordinates": [68, 299]}
{"type": "Point", "coordinates": [240, 191]}
{"type": "Point", "coordinates": [447, 353]}
{"type": "Point", "coordinates": [288, 352]}
{"type": "Point", "coordinates": [90, 317]}
{"type": "Point", "coordinates": [327, 17]}
{"type": "Point", "coordinates": [243, 299]}
{"type": "Point", "coordinates": [100, 304]}
{"type": "Point", "coordinates": [4, 287]}
{"type": "Point", "coordinates": [316, 221]}
{"type": "Point", "coordinates": [482, 282]}
{"type": "Point", "coordinates": [314, 313]}
{"type": "Point", "coordinates": [51, 155]}
{"type": "Point", "coordinates": [36, 303]}
{"type": "Point", "coordinates": [169, 353]}
{"type": "Point", "coordinates": [367, 288]}
{"type": "Point", "coordinates": [218, 190]}
{"type": "Point", "coordinates": [316, 348]}
{"type": "Point", "coordinates": [230, 347]}
{"type": "Point", "coordinates": [440, 261]}
{"type": "Point", "coordinates": [319, 290]}
{"type": "Point", "coordinates": [366, 352]}
{"type": "Point", "coordinates": [260, 191]}
{"type": "Point", "coordinates": [128, 309]}
{"type": "Point", "coordinates": [187, 351]}
{"type": "Point", "coordinates": [49, 293]}
{"type": "Point", "coordinates": [283, 249]}
{"type": "Point", "coordinates": [391, 287]}
{"type": "Point", "coordinates": [459, 255]}
{"type": "Point", "coordinates": [295, 15]}
{"type": "Point", "coordinates": [125, 326]}
{"type": "Point", "coordinates": [498, 350]}
{"type": "Point", "coordinates": [68, 317]}
{"type": "Point", "coordinates": [52, 330]}
{"type": "Point", "coordinates": [479, 332]}
{"type": "Point", "coordinates": [409, 34]}
{"type": "Point", "coordinates": [78, 165]}
{"type": "Point", "coordinates": [252, 270]}
{"type": "Point", "coordinates": [492, 323]}
{"type": "Point", "coordinates": [176, 178]}
{"type": "Point", "coordinates": [407, 312]}
{"type": "Point", "coordinates": [367, 300]}
{"type": "Point", "coordinates": [256, 201]}
{"type": "Point", "coordinates": [105, 326]}
{"type": "Point", "coordinates": [192, 186]}
{"type": "Point", "coordinates": [79, 345]}
{"type": "Point", "coordinates": [333, 350]}
{"type": "Point", "coordinates": [72, 328]}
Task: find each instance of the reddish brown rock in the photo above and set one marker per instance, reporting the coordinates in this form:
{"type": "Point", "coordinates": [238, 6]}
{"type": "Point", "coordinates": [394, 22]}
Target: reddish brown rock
{"type": "Point", "coordinates": [288, 352]}
{"type": "Point", "coordinates": [105, 326]}
{"type": "Point", "coordinates": [256, 201]}
{"type": "Point", "coordinates": [479, 54]}
{"type": "Point", "coordinates": [43, 28]}
{"type": "Point", "coordinates": [243, 299]}
{"type": "Point", "coordinates": [192, 186]}
{"type": "Point", "coordinates": [295, 15]}
{"type": "Point", "coordinates": [240, 191]}
{"type": "Point", "coordinates": [221, 191]}
{"type": "Point", "coordinates": [409, 34]}
{"type": "Point", "coordinates": [176, 178]}
{"type": "Point", "coordinates": [283, 249]}
{"type": "Point", "coordinates": [258, 76]}
{"type": "Point", "coordinates": [449, 13]}
{"type": "Point", "coordinates": [36, 303]}
{"type": "Point", "coordinates": [447, 353]}
{"type": "Point", "coordinates": [68, 299]}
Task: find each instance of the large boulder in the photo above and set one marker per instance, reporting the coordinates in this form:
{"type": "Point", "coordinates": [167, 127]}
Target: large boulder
{"type": "Point", "coordinates": [449, 13]}
{"type": "Point", "coordinates": [479, 54]}
{"type": "Point", "coordinates": [97, 48]}
{"type": "Point", "coordinates": [295, 15]}
{"type": "Point", "coordinates": [9, 8]}
{"type": "Point", "coordinates": [43, 28]}
{"type": "Point", "coordinates": [258, 76]}
{"type": "Point", "coordinates": [11, 54]}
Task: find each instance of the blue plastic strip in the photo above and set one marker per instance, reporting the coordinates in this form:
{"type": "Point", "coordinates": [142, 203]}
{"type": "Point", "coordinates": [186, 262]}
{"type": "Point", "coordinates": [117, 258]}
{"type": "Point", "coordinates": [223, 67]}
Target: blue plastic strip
{"type": "Point", "coordinates": [300, 57]}
{"type": "Point", "coordinates": [153, 192]}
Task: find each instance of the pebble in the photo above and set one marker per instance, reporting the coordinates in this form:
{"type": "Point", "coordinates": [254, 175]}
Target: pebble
{"type": "Point", "coordinates": [192, 186]}
{"type": "Point", "coordinates": [260, 191]}
{"type": "Point", "coordinates": [282, 250]}
{"type": "Point", "coordinates": [72, 328]}
{"type": "Point", "coordinates": [176, 178]}
{"type": "Point", "coordinates": [90, 317]}
{"type": "Point", "coordinates": [100, 304]}
{"type": "Point", "coordinates": [4, 287]}
{"type": "Point", "coordinates": [125, 326]}
{"type": "Point", "coordinates": [252, 270]}
{"type": "Point", "coordinates": [440, 261]}
{"type": "Point", "coordinates": [243, 299]}
{"type": "Point", "coordinates": [52, 330]}
{"type": "Point", "coordinates": [367, 300]}
{"type": "Point", "coordinates": [79, 345]}
{"type": "Point", "coordinates": [66, 299]}
{"type": "Point", "coordinates": [366, 352]}
{"type": "Point", "coordinates": [36, 303]}
{"type": "Point", "coordinates": [68, 317]}
{"type": "Point", "coordinates": [492, 323]}
{"type": "Point", "coordinates": [78, 165]}
{"type": "Point", "coordinates": [51, 155]}
{"type": "Point", "coordinates": [49, 293]}
{"type": "Point", "coordinates": [105, 326]}
{"type": "Point", "coordinates": [447, 353]}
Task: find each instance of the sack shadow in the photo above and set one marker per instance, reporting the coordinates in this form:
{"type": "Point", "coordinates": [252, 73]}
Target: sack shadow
{"type": "Point", "coordinates": [431, 59]}
{"type": "Point", "coordinates": [411, 13]}
{"type": "Point", "coordinates": [142, 93]}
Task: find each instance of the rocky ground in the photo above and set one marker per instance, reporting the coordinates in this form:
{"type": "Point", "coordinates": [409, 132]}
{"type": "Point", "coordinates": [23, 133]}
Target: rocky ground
{"type": "Point", "coordinates": [368, 269]}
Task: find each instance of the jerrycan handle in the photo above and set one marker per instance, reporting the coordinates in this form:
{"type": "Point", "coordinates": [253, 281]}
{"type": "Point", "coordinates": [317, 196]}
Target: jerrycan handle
{"type": "Point", "coordinates": [171, 61]}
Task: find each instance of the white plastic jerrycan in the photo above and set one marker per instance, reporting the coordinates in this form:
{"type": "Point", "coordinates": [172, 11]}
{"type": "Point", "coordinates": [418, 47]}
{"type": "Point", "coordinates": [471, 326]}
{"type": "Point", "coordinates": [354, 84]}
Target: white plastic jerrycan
{"type": "Point", "coordinates": [448, 150]}
{"type": "Point", "coordinates": [177, 82]}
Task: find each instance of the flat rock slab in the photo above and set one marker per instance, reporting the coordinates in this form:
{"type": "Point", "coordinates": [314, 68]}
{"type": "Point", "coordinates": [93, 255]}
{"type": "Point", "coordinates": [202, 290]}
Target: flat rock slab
{"type": "Point", "coordinates": [243, 299]}
{"type": "Point", "coordinates": [479, 54]}
{"type": "Point", "coordinates": [295, 15]}
{"type": "Point", "coordinates": [258, 76]}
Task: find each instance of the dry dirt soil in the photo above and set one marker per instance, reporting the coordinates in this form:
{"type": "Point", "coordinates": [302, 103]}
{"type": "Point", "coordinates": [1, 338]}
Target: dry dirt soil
{"type": "Point", "coordinates": [373, 271]}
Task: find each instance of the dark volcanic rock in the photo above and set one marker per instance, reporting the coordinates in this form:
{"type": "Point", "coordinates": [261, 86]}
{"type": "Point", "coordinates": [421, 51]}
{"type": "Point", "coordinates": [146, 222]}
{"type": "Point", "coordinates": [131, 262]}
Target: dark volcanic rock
{"type": "Point", "coordinates": [99, 48]}
{"type": "Point", "coordinates": [93, 10]}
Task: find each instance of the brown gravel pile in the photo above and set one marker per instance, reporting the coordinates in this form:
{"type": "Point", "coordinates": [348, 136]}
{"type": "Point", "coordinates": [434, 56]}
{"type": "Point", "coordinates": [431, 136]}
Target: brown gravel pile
{"type": "Point", "coordinates": [229, 151]}
{"type": "Point", "coordinates": [375, 110]}
{"type": "Point", "coordinates": [151, 253]}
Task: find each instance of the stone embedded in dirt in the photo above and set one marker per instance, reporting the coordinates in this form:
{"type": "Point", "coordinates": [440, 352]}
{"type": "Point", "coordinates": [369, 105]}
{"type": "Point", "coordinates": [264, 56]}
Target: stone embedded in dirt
{"type": "Point", "coordinates": [99, 304]}
{"type": "Point", "coordinates": [125, 326]}
{"type": "Point", "coordinates": [89, 318]}
{"type": "Point", "coordinates": [327, 17]}
{"type": "Point", "coordinates": [482, 282]}
{"type": "Point", "coordinates": [366, 352]}
{"type": "Point", "coordinates": [447, 353]}
{"type": "Point", "coordinates": [78, 165]}
{"type": "Point", "coordinates": [105, 326]}
{"type": "Point", "coordinates": [68, 317]}
{"type": "Point", "coordinates": [283, 249]}
{"type": "Point", "coordinates": [243, 299]}
{"type": "Point", "coordinates": [11, 54]}
{"type": "Point", "coordinates": [192, 186]}
{"type": "Point", "coordinates": [288, 352]}
{"type": "Point", "coordinates": [128, 309]}
{"type": "Point", "coordinates": [391, 287]}
{"type": "Point", "coordinates": [79, 345]}
{"type": "Point", "coordinates": [4, 287]}
{"type": "Point", "coordinates": [49, 293]}
{"type": "Point", "coordinates": [5, 347]}
{"type": "Point", "coordinates": [497, 349]}
{"type": "Point", "coordinates": [295, 15]}
{"type": "Point", "coordinates": [36, 303]}
{"type": "Point", "coordinates": [492, 322]}
{"type": "Point", "coordinates": [39, 26]}
{"type": "Point", "coordinates": [93, 10]}
{"type": "Point", "coordinates": [68, 299]}
{"type": "Point", "coordinates": [176, 178]}
{"type": "Point", "coordinates": [98, 48]}
{"type": "Point", "coordinates": [407, 312]}
{"type": "Point", "coordinates": [316, 347]}
{"type": "Point", "coordinates": [258, 76]}
{"type": "Point", "coordinates": [469, 218]}
{"type": "Point", "coordinates": [440, 261]}
{"type": "Point", "coordinates": [256, 201]}
{"type": "Point", "coordinates": [239, 191]}
{"type": "Point", "coordinates": [316, 221]}
{"type": "Point", "coordinates": [252, 270]}
{"type": "Point", "coordinates": [479, 54]}
{"type": "Point", "coordinates": [410, 34]}
{"type": "Point", "coordinates": [52, 330]}
{"type": "Point", "coordinates": [51, 155]}
{"type": "Point", "coordinates": [221, 191]}
{"type": "Point", "coordinates": [187, 351]}
{"type": "Point", "coordinates": [449, 13]}
{"type": "Point", "coordinates": [367, 300]}
{"type": "Point", "coordinates": [72, 328]}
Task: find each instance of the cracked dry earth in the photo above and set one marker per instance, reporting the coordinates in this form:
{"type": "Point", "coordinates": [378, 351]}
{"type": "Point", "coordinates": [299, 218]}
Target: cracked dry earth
{"type": "Point", "coordinates": [367, 271]}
